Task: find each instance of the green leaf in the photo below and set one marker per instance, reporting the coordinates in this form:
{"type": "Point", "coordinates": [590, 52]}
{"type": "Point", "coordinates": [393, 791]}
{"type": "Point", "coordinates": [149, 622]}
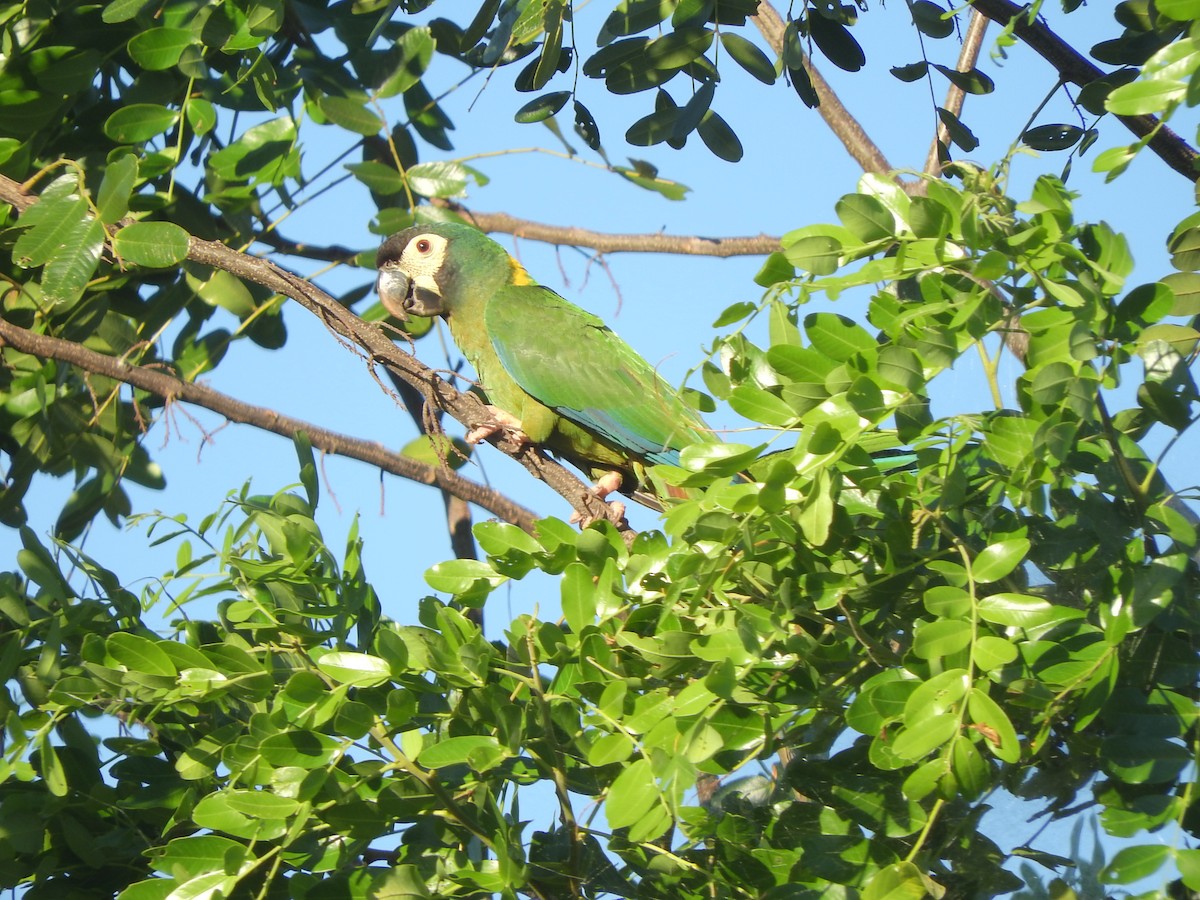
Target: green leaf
{"type": "Point", "coordinates": [585, 126]}
{"type": "Point", "coordinates": [990, 721]}
{"type": "Point", "coordinates": [931, 19]}
{"type": "Point", "coordinates": [960, 134]}
{"type": "Point", "coordinates": [760, 405]}
{"type": "Point", "coordinates": [188, 857]}
{"type": "Point", "coordinates": [415, 49]}
{"type": "Point", "coordinates": [1135, 863]}
{"type": "Point", "coordinates": [540, 108]}
{"type": "Point", "coordinates": [139, 122]}
{"type": "Point", "coordinates": [112, 200]}
{"type": "Point", "coordinates": [139, 654]}
{"type": "Point", "coordinates": [1052, 137]}
{"type": "Point", "coordinates": [437, 450]}
{"type": "Point", "coordinates": [379, 177]}
{"type": "Point", "coordinates": [998, 560]}
{"type": "Point", "coordinates": [653, 129]}
{"type": "Point", "coordinates": [775, 269]}
{"type": "Point", "coordinates": [1149, 97]}
{"type": "Point", "coordinates": [632, 795]}
{"type": "Point", "coordinates": [1180, 11]}
{"type": "Point", "coordinates": [122, 10]}
{"type": "Point", "coordinates": [159, 48]}
{"type": "Point", "coordinates": [1188, 862]}
{"type": "Point", "coordinates": [463, 578]}
{"type": "Point", "coordinates": [578, 596]}
{"type": "Point", "coordinates": [350, 114]}
{"type": "Point", "coordinates": [918, 741]}
{"type": "Point", "coordinates": [158, 245]}
{"type": "Point", "coordinates": [54, 220]}
{"type": "Point", "coordinates": [866, 217]}
{"type": "Point", "coordinates": [677, 48]}
{"type": "Point", "coordinates": [972, 81]}
{"type": "Point", "coordinates": [458, 750]}
{"type": "Point", "coordinates": [818, 254]}
{"type": "Point", "coordinates": [748, 56]}
{"type": "Point", "coordinates": [201, 115]}
{"type": "Point", "coordinates": [816, 513]}
{"type": "Point", "coordinates": [306, 749]}
{"type": "Point", "coordinates": [72, 266]}
{"type": "Point", "coordinates": [836, 42]}
{"type": "Point", "coordinates": [672, 190]}
{"type": "Point", "coordinates": [911, 72]}
{"type": "Point", "coordinates": [609, 749]}
{"type": "Point", "coordinates": [357, 669]}
{"type": "Point", "coordinates": [899, 881]}
{"type": "Point", "coordinates": [719, 137]}
{"type": "Point", "coordinates": [438, 179]}
{"type": "Point", "coordinates": [837, 337]}
{"type": "Point", "coordinates": [1023, 611]}
{"type": "Point", "coordinates": [945, 637]}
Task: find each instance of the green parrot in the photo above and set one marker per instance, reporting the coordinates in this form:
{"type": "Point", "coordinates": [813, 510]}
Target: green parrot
{"type": "Point", "coordinates": [552, 373]}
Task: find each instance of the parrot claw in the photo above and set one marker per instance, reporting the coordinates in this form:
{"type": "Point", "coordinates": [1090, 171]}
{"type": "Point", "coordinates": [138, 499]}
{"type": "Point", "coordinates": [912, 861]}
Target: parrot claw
{"type": "Point", "coordinates": [502, 423]}
{"type": "Point", "coordinates": [606, 484]}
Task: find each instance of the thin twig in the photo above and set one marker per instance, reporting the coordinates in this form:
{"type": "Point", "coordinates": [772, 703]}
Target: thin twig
{"type": "Point", "coordinates": [571, 236]}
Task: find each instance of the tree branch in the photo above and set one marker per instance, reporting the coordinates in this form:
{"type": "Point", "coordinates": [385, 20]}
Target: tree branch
{"type": "Point", "coordinates": [571, 236]}
{"type": "Point", "coordinates": [1073, 67]}
{"type": "Point", "coordinates": [171, 388]}
{"type": "Point", "coordinates": [845, 127]}
{"type": "Point", "coordinates": [378, 349]}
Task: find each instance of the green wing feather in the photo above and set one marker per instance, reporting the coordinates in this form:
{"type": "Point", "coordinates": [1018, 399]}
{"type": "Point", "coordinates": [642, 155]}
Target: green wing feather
{"type": "Point", "coordinates": [569, 360]}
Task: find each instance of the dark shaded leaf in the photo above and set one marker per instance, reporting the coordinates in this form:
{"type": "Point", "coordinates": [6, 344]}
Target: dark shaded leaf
{"type": "Point", "coordinates": [930, 19]}
{"type": "Point", "coordinates": [973, 81]}
{"type": "Point", "coordinates": [543, 107]}
{"type": "Point", "coordinates": [1052, 137]}
{"type": "Point", "coordinates": [960, 134]}
{"type": "Point", "coordinates": [911, 72]}
{"type": "Point", "coordinates": [836, 42]}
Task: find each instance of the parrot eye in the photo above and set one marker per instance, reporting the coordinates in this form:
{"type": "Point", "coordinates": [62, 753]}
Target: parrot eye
{"type": "Point", "coordinates": [424, 246]}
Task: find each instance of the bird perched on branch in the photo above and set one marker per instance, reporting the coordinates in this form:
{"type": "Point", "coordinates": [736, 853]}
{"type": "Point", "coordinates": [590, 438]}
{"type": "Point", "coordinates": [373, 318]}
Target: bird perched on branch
{"type": "Point", "coordinates": [554, 374]}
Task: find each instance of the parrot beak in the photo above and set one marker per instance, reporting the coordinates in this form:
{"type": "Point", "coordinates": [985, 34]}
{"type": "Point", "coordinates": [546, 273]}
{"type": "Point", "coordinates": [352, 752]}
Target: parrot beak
{"type": "Point", "coordinates": [392, 286]}
{"type": "Point", "coordinates": [403, 296]}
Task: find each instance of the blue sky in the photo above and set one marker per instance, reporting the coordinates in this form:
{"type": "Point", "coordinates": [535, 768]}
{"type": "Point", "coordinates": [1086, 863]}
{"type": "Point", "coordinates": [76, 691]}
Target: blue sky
{"type": "Point", "coordinates": [792, 174]}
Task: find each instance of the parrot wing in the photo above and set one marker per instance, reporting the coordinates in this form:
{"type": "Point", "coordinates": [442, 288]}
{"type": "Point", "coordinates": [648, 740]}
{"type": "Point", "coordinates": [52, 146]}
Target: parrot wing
{"type": "Point", "coordinates": [569, 360]}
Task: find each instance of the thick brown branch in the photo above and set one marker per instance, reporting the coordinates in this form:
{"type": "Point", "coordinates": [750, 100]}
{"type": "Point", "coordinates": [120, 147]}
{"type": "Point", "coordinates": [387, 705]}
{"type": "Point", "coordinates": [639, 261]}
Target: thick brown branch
{"type": "Point", "coordinates": [844, 126]}
{"type": "Point", "coordinates": [570, 236]}
{"type": "Point", "coordinates": [1074, 68]}
{"type": "Point", "coordinates": [158, 382]}
{"type": "Point", "coordinates": [466, 408]}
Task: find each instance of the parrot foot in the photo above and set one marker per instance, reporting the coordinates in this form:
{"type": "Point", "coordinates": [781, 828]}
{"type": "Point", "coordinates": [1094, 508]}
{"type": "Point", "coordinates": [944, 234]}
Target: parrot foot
{"type": "Point", "coordinates": [606, 484]}
{"type": "Point", "coordinates": [502, 422]}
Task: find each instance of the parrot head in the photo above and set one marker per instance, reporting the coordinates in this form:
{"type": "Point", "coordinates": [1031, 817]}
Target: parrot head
{"type": "Point", "coordinates": [420, 268]}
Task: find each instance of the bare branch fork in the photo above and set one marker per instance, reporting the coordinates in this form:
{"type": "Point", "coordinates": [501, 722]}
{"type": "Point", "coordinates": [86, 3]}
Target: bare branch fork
{"type": "Point", "coordinates": [378, 348]}
{"type": "Point", "coordinates": [1071, 66]}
